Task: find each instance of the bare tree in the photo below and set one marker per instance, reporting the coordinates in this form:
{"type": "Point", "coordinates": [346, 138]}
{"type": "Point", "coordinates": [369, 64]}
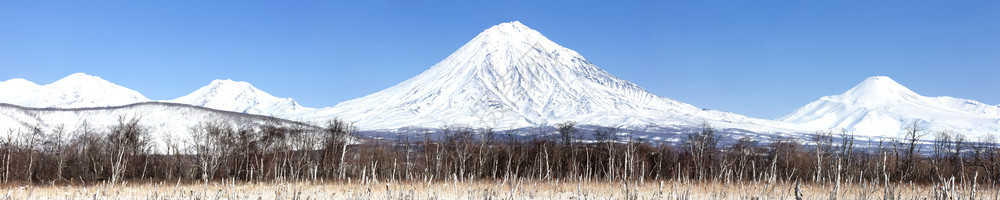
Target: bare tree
{"type": "Point", "coordinates": [95, 155]}
{"type": "Point", "coordinates": [984, 154]}
{"type": "Point", "coordinates": [206, 147]}
{"type": "Point", "coordinates": [566, 132]}
{"type": "Point", "coordinates": [31, 139]}
{"type": "Point", "coordinates": [824, 144]}
{"type": "Point", "coordinates": [276, 152]}
{"type": "Point", "coordinates": [702, 147]}
{"type": "Point", "coordinates": [8, 145]}
{"type": "Point", "coordinates": [338, 134]}
{"type": "Point", "coordinates": [567, 154]}
{"type": "Point", "coordinates": [913, 134]}
{"type": "Point", "coordinates": [55, 145]}
{"type": "Point", "coordinates": [942, 150]}
{"type": "Point", "coordinates": [459, 142]}
{"type": "Point", "coordinates": [128, 139]}
{"type": "Point", "coordinates": [942, 142]}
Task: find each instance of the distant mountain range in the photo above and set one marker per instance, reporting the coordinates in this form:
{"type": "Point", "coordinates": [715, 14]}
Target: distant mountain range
{"type": "Point", "coordinates": [74, 91]}
{"type": "Point", "coordinates": [507, 77]}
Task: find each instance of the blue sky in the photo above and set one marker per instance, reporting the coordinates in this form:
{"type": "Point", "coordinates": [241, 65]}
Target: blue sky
{"type": "Point", "coordinates": [749, 57]}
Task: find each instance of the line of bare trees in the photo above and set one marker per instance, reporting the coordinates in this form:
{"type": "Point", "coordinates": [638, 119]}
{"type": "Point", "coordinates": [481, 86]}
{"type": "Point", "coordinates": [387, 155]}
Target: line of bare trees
{"type": "Point", "coordinates": [273, 152]}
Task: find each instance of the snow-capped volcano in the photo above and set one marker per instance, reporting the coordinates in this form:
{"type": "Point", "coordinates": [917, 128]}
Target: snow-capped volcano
{"type": "Point", "coordinates": [74, 91]}
{"type": "Point", "coordinates": [510, 76]}
{"type": "Point", "coordinates": [238, 96]}
{"type": "Point", "coordinates": [879, 106]}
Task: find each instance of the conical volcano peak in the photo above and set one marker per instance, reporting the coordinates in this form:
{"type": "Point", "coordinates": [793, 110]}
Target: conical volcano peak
{"type": "Point", "coordinates": [881, 81]}
{"type": "Point", "coordinates": [880, 84]}
{"type": "Point", "coordinates": [512, 35]}
{"type": "Point", "coordinates": [878, 89]}
{"type": "Point", "coordinates": [514, 27]}
{"type": "Point", "coordinates": [510, 76]}
{"type": "Point", "coordinates": [509, 47]}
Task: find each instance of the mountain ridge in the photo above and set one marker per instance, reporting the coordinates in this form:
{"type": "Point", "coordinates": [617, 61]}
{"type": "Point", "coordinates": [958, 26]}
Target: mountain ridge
{"type": "Point", "coordinates": [239, 96]}
{"type": "Point", "coordinates": [75, 90]}
{"type": "Point", "coordinates": [166, 122]}
{"type": "Point", "coordinates": [879, 106]}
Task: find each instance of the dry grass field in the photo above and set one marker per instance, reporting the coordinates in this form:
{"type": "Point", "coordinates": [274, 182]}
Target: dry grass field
{"type": "Point", "coordinates": [524, 189]}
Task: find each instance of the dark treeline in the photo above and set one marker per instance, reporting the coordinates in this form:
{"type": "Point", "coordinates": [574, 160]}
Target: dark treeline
{"type": "Point", "coordinates": [270, 152]}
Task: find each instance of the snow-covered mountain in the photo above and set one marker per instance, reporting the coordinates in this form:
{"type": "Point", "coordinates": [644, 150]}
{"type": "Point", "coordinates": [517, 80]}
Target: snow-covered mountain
{"type": "Point", "coordinates": [74, 91]}
{"type": "Point", "coordinates": [238, 96]}
{"type": "Point", "coordinates": [507, 77]}
{"type": "Point", "coordinates": [510, 76]}
{"type": "Point", "coordinates": [879, 106]}
{"type": "Point", "coordinates": [80, 99]}
{"type": "Point", "coordinates": [166, 121]}
{"type": "Point", "coordinates": [80, 90]}
{"type": "Point", "coordinates": [16, 87]}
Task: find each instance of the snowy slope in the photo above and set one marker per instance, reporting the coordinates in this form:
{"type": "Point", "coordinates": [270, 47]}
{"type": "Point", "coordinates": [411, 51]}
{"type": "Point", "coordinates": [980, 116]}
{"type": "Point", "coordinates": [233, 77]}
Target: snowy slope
{"type": "Point", "coordinates": [510, 76]}
{"type": "Point", "coordinates": [81, 99]}
{"type": "Point", "coordinates": [238, 96]}
{"type": "Point", "coordinates": [166, 121]}
{"type": "Point", "coordinates": [16, 87]}
{"type": "Point", "coordinates": [74, 91]}
{"type": "Point", "coordinates": [879, 106]}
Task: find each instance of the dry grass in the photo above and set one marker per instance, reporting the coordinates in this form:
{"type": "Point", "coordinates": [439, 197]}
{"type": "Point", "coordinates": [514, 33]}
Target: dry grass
{"type": "Point", "coordinates": [498, 190]}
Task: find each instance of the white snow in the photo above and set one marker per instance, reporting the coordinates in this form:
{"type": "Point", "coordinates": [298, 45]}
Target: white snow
{"type": "Point", "coordinates": [16, 87]}
{"type": "Point", "coordinates": [80, 90]}
{"type": "Point", "coordinates": [879, 106]}
{"type": "Point", "coordinates": [510, 76]}
{"type": "Point", "coordinates": [74, 91]}
{"type": "Point", "coordinates": [165, 121]}
{"type": "Point", "coordinates": [238, 96]}
{"type": "Point", "coordinates": [507, 77]}
{"type": "Point", "coordinates": [81, 99]}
